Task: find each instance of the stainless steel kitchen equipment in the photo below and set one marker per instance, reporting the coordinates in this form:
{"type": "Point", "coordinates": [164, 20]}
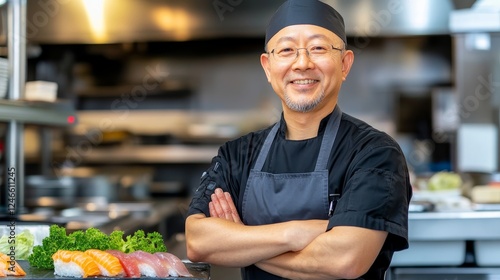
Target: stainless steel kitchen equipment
{"type": "Point", "coordinates": [476, 36]}
{"type": "Point", "coordinates": [465, 244]}
{"type": "Point", "coordinates": [15, 112]}
{"type": "Point", "coordinates": [68, 22]}
{"type": "Point", "coordinates": [88, 185]}
{"type": "Point", "coordinates": [450, 245]}
{"type": "Point", "coordinates": [44, 191]}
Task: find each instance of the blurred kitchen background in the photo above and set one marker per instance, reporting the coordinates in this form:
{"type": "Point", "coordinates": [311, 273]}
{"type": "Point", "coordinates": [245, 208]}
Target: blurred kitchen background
{"type": "Point", "coordinates": [147, 90]}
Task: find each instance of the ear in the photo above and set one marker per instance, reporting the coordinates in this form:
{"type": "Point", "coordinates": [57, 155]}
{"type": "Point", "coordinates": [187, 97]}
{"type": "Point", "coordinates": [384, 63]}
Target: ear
{"type": "Point", "coordinates": [347, 62]}
{"type": "Point", "coordinates": [264, 61]}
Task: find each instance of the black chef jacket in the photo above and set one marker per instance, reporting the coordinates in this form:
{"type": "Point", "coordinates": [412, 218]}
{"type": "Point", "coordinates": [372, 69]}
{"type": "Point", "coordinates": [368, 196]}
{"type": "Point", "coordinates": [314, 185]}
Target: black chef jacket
{"type": "Point", "coordinates": [367, 169]}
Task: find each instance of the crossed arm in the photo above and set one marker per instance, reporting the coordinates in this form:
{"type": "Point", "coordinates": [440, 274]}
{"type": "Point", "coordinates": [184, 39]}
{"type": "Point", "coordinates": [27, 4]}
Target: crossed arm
{"type": "Point", "coordinates": [294, 249]}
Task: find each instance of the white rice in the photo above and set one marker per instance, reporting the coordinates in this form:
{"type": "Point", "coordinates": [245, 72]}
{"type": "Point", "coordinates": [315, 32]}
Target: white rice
{"type": "Point", "coordinates": [147, 270]}
{"type": "Point", "coordinates": [69, 269]}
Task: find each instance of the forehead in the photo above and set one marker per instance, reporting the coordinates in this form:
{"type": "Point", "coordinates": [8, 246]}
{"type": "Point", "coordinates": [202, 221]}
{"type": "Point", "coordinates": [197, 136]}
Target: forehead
{"type": "Point", "coordinates": [304, 33]}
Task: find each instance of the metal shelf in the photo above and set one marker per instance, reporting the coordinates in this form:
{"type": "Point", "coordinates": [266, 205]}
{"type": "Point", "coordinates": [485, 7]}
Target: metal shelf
{"type": "Point", "coordinates": [37, 112]}
{"type": "Point", "coordinates": [150, 154]}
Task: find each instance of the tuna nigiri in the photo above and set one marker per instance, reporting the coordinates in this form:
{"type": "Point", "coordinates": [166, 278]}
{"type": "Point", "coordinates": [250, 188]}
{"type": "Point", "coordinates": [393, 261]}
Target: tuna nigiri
{"type": "Point", "coordinates": [129, 263]}
{"type": "Point", "coordinates": [149, 264]}
{"type": "Point", "coordinates": [74, 264]}
{"type": "Point", "coordinates": [10, 267]}
{"type": "Point", "coordinates": [177, 267]}
{"type": "Point", "coordinates": [108, 264]}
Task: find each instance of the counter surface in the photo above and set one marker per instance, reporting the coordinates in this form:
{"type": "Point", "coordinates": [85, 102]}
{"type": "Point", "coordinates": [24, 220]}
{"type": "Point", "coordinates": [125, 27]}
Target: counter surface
{"type": "Point", "coordinates": [465, 225]}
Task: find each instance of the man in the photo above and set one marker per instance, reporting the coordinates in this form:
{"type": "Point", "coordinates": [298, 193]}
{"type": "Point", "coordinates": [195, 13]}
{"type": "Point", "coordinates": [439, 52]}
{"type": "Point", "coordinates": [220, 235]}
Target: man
{"type": "Point", "coordinates": [319, 195]}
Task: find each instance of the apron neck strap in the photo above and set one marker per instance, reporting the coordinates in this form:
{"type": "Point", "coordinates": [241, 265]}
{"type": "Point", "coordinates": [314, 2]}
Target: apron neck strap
{"type": "Point", "coordinates": [266, 147]}
{"type": "Point", "coordinates": [332, 127]}
{"type": "Point", "coordinates": [329, 136]}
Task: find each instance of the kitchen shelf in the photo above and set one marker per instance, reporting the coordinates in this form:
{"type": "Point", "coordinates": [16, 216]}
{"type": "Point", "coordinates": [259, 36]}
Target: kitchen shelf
{"type": "Point", "coordinates": [38, 112]}
{"type": "Point", "coordinates": [190, 154]}
{"type": "Point", "coordinates": [166, 89]}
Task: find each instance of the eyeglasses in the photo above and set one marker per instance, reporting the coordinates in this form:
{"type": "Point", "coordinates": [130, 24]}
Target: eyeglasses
{"type": "Point", "coordinates": [314, 52]}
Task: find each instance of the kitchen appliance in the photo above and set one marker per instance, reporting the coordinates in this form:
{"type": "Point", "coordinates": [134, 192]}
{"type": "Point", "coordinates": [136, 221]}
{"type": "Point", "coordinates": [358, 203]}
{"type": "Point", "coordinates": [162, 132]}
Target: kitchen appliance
{"type": "Point", "coordinates": [50, 191]}
{"type": "Point", "coordinates": [84, 184]}
{"type": "Point", "coordinates": [473, 234]}
{"type": "Point", "coordinates": [476, 35]}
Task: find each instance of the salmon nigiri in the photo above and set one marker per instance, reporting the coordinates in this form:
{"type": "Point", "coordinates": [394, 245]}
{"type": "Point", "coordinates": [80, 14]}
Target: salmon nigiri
{"type": "Point", "coordinates": [74, 264]}
{"type": "Point", "coordinates": [108, 264]}
{"type": "Point", "coordinates": [129, 263]}
{"type": "Point", "coordinates": [10, 267]}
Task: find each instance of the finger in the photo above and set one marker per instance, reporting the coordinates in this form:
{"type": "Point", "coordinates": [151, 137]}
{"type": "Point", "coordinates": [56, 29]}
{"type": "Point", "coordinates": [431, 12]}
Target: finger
{"type": "Point", "coordinates": [234, 212]}
{"type": "Point", "coordinates": [224, 205]}
{"type": "Point", "coordinates": [211, 209]}
{"type": "Point", "coordinates": [219, 213]}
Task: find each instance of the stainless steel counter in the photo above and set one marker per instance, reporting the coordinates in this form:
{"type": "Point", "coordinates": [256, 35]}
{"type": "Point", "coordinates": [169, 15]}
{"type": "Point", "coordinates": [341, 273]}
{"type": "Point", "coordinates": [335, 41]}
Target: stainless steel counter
{"type": "Point", "coordinates": [450, 245]}
{"type": "Point", "coordinates": [471, 225]}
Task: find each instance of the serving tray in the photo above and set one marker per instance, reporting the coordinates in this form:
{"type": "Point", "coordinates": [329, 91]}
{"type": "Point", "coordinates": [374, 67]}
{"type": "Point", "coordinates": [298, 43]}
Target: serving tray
{"type": "Point", "coordinates": [200, 271]}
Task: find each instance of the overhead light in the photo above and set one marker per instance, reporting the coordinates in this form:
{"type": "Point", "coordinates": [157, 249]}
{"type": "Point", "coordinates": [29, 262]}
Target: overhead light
{"type": "Point", "coordinates": [177, 22]}
{"type": "Point", "coordinates": [95, 14]}
{"type": "Point", "coordinates": [420, 14]}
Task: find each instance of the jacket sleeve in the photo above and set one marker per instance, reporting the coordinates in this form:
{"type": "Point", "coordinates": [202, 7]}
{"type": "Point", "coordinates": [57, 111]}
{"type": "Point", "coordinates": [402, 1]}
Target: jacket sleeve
{"type": "Point", "coordinates": [212, 178]}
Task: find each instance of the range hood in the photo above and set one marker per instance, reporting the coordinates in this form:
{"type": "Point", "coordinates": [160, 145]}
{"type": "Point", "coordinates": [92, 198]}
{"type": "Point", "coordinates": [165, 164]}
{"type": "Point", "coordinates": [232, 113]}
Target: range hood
{"type": "Point", "coordinates": [483, 16]}
{"type": "Point", "coordinates": [119, 21]}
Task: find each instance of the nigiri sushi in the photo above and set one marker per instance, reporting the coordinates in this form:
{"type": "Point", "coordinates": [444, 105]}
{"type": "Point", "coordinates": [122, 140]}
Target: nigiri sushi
{"type": "Point", "coordinates": [108, 264]}
{"type": "Point", "coordinates": [9, 267]}
{"type": "Point", "coordinates": [74, 264]}
{"type": "Point", "coordinates": [149, 264]}
{"type": "Point", "coordinates": [176, 266]}
{"type": "Point", "coordinates": [129, 263]}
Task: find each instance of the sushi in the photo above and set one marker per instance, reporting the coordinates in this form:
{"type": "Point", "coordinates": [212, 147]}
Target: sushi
{"type": "Point", "coordinates": [9, 267]}
{"type": "Point", "coordinates": [129, 263]}
{"type": "Point", "coordinates": [112, 263]}
{"type": "Point", "coordinates": [74, 264]}
{"type": "Point", "coordinates": [108, 264]}
{"type": "Point", "coordinates": [149, 264]}
{"type": "Point", "coordinates": [175, 265]}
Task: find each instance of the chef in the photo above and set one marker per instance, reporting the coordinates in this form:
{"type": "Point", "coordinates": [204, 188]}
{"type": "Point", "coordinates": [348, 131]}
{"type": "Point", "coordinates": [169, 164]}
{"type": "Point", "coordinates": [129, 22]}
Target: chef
{"type": "Point", "coordinates": [318, 195]}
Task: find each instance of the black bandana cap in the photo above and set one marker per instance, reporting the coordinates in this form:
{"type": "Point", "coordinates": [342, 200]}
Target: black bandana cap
{"type": "Point", "coordinates": [314, 12]}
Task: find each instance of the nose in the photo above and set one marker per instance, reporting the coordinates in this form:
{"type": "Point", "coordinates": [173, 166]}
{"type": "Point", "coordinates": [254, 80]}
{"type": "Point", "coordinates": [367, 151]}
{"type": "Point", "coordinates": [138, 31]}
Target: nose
{"type": "Point", "coordinates": [303, 60]}
{"type": "Point", "coordinates": [306, 52]}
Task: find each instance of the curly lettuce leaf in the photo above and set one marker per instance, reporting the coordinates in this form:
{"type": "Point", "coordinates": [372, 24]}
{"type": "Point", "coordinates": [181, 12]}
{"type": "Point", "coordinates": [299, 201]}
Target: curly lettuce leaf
{"type": "Point", "coordinates": [42, 254]}
{"type": "Point", "coordinates": [22, 244]}
{"type": "Point", "coordinates": [151, 243]}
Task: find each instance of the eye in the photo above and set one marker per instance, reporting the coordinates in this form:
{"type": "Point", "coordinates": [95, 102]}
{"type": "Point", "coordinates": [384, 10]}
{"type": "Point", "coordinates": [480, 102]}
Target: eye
{"type": "Point", "coordinates": [318, 49]}
{"type": "Point", "coordinates": [286, 51]}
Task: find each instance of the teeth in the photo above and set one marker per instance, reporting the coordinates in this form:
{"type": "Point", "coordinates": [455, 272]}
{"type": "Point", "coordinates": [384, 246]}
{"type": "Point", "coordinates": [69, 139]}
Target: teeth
{"type": "Point", "coordinates": [304, 82]}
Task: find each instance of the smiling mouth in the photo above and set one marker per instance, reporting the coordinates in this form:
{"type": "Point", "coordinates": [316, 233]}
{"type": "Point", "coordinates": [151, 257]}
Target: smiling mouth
{"type": "Point", "coordinates": [304, 82]}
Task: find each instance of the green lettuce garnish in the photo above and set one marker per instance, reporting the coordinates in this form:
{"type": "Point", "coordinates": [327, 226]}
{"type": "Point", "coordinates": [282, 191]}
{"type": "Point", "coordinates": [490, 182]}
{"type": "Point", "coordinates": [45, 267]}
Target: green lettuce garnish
{"type": "Point", "coordinates": [22, 244]}
{"type": "Point", "coordinates": [92, 238]}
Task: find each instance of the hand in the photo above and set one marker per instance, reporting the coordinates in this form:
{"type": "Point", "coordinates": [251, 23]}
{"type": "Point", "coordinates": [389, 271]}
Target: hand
{"type": "Point", "coordinates": [222, 206]}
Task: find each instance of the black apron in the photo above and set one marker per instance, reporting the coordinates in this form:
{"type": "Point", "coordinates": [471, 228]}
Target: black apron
{"type": "Point", "coordinates": [273, 198]}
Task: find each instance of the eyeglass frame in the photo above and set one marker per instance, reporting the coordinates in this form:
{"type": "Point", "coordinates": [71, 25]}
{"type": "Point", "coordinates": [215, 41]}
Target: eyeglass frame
{"type": "Point", "coordinates": [307, 51]}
